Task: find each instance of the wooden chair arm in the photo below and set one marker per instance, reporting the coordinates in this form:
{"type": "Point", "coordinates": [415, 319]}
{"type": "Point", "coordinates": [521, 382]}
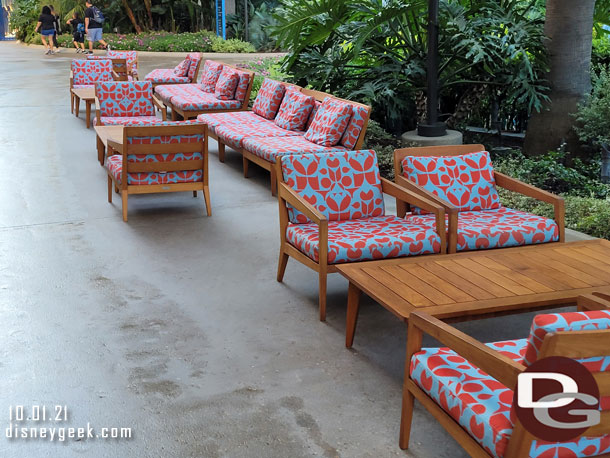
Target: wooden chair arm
{"type": "Point", "coordinates": [593, 301]}
{"type": "Point", "coordinates": [416, 189]}
{"type": "Point", "coordinates": [116, 146]}
{"type": "Point", "coordinates": [71, 79]}
{"type": "Point", "coordinates": [500, 367]}
{"type": "Point", "coordinates": [161, 106]}
{"type": "Point", "coordinates": [290, 196]}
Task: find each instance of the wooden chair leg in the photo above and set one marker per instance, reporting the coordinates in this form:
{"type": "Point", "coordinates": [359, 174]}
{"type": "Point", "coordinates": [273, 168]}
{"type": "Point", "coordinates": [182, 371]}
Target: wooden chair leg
{"type": "Point", "coordinates": [71, 103]}
{"type": "Point", "coordinates": [221, 151]}
{"type": "Point", "coordinates": [194, 193]}
{"type": "Point", "coordinates": [206, 197]}
{"type": "Point", "coordinates": [406, 417]}
{"type": "Point", "coordinates": [353, 305]}
{"type": "Point", "coordinates": [116, 189]}
{"type": "Point", "coordinates": [322, 293]}
{"type": "Point", "coordinates": [273, 182]}
{"type": "Point", "coordinates": [281, 265]}
{"type": "Point", "coordinates": [76, 106]}
{"type": "Point", "coordinates": [174, 115]}
{"type": "Point", "coordinates": [124, 198]}
{"type": "Point", "coordinates": [109, 189]}
{"type": "Point", "coordinates": [246, 163]}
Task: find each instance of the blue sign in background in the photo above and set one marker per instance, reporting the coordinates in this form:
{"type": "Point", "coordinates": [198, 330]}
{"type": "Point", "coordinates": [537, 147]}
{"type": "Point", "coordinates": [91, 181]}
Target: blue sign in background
{"type": "Point", "coordinates": [221, 23]}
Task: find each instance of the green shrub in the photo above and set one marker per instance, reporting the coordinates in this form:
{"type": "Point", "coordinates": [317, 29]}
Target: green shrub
{"type": "Point", "coordinates": [264, 68]}
{"type": "Point", "coordinates": [24, 17]}
{"type": "Point", "coordinates": [384, 144]}
{"type": "Point", "coordinates": [232, 45]}
{"type": "Point", "coordinates": [593, 117]}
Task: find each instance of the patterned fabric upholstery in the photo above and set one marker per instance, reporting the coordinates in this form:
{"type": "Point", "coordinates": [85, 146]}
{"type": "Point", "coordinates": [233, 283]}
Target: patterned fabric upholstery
{"type": "Point", "coordinates": [269, 148]}
{"type": "Point", "coordinates": [235, 117]}
{"type": "Point", "coordinates": [294, 110]}
{"type": "Point", "coordinates": [165, 75]}
{"type": "Point", "coordinates": [465, 181]}
{"type": "Point", "coordinates": [115, 165]}
{"type": "Point", "coordinates": [242, 86]}
{"type": "Point", "coordinates": [571, 321]}
{"type": "Point", "coordinates": [127, 120]}
{"type": "Point", "coordinates": [131, 57]}
{"type": "Point", "coordinates": [89, 72]}
{"type": "Point", "coordinates": [344, 185]}
{"type": "Point", "coordinates": [499, 228]}
{"type": "Point", "coordinates": [234, 134]}
{"type": "Point", "coordinates": [330, 122]}
{"type": "Point", "coordinates": [194, 57]}
{"type": "Point", "coordinates": [226, 84]}
{"type": "Point", "coordinates": [269, 98]}
{"type": "Point", "coordinates": [482, 405]}
{"type": "Point", "coordinates": [182, 69]}
{"type": "Point", "coordinates": [82, 86]}
{"type": "Point", "coordinates": [204, 101]}
{"type": "Point", "coordinates": [125, 98]}
{"type": "Point", "coordinates": [313, 114]}
{"type": "Point", "coordinates": [211, 73]}
{"type": "Point", "coordinates": [365, 239]}
{"type": "Point", "coordinates": [355, 126]}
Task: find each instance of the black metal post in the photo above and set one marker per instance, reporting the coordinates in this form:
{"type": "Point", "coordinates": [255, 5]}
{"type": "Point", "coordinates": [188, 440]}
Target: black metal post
{"type": "Point", "coordinates": [432, 127]}
{"type": "Point", "coordinates": [246, 32]}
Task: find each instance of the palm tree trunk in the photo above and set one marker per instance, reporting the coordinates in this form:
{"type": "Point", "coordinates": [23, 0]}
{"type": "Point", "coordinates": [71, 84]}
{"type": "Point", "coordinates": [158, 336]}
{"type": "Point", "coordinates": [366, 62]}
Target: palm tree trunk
{"type": "Point", "coordinates": [568, 27]}
{"type": "Point", "coordinates": [148, 4]}
{"type": "Point", "coordinates": [131, 16]}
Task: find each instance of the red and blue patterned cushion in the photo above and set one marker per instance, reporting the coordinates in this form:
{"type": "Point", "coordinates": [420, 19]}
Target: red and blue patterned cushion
{"type": "Point", "coordinates": [270, 148]}
{"type": "Point", "coordinates": [465, 181]}
{"type": "Point", "coordinates": [233, 134]}
{"type": "Point", "coordinates": [235, 117]}
{"type": "Point", "coordinates": [166, 92]}
{"type": "Point", "coordinates": [294, 110]}
{"type": "Point", "coordinates": [182, 69]}
{"type": "Point", "coordinates": [242, 86]}
{"type": "Point", "coordinates": [499, 228]}
{"type": "Point", "coordinates": [211, 73]}
{"type": "Point", "coordinates": [355, 126]}
{"type": "Point", "coordinates": [165, 75]}
{"type": "Point", "coordinates": [330, 122]}
{"type": "Point", "coordinates": [194, 58]}
{"type": "Point", "coordinates": [378, 237]}
{"type": "Point", "coordinates": [226, 84]}
{"type": "Point", "coordinates": [343, 185]}
{"type": "Point", "coordinates": [204, 101]}
{"type": "Point", "coordinates": [125, 98]}
{"type": "Point", "coordinates": [127, 120]}
{"type": "Point", "coordinates": [89, 72]}
{"type": "Point", "coordinates": [313, 114]}
{"type": "Point", "coordinates": [269, 98]}
{"type": "Point", "coordinates": [115, 165]}
{"type": "Point", "coordinates": [482, 405]}
{"type": "Point", "coordinates": [570, 321]}
{"type": "Point", "coordinates": [131, 57]}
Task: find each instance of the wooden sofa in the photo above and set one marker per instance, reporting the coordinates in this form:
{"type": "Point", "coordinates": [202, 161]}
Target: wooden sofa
{"type": "Point", "coordinates": [484, 223]}
{"type": "Point", "coordinates": [164, 76]}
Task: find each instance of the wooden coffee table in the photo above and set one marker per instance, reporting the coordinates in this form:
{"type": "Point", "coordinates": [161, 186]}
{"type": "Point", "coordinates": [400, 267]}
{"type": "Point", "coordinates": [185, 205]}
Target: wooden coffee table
{"type": "Point", "coordinates": [88, 95]}
{"type": "Point", "coordinates": [105, 133]}
{"type": "Point", "coordinates": [478, 283]}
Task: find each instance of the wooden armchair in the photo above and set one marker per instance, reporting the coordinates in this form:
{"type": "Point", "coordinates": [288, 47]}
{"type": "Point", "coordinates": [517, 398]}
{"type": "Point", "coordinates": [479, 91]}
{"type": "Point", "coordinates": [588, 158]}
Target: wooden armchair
{"type": "Point", "coordinates": [169, 157]}
{"type": "Point", "coordinates": [331, 212]}
{"type": "Point", "coordinates": [470, 226]}
{"type": "Point", "coordinates": [468, 387]}
{"type": "Point", "coordinates": [127, 103]}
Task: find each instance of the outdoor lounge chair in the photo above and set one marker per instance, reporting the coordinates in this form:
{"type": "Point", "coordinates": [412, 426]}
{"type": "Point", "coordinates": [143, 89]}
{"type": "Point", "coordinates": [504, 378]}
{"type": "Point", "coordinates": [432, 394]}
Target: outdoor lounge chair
{"type": "Point", "coordinates": [222, 88]}
{"type": "Point", "coordinates": [462, 179]}
{"type": "Point", "coordinates": [167, 157]}
{"type": "Point", "coordinates": [86, 73]}
{"type": "Point", "coordinates": [185, 72]}
{"type": "Point", "coordinates": [468, 386]}
{"type": "Point", "coordinates": [332, 212]}
{"type": "Point", "coordinates": [126, 103]}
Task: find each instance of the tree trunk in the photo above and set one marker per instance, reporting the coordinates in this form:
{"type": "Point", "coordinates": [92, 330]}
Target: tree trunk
{"type": "Point", "coordinates": [131, 16]}
{"type": "Point", "coordinates": [569, 30]}
{"type": "Point", "coordinates": [148, 4]}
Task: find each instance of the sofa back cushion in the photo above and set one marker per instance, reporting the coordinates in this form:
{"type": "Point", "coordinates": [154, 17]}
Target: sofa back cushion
{"type": "Point", "coordinates": [194, 57]}
{"type": "Point", "coordinates": [125, 98]}
{"type": "Point", "coordinates": [226, 84]}
{"type": "Point", "coordinates": [294, 110]}
{"type": "Point", "coordinates": [330, 122]}
{"type": "Point", "coordinates": [355, 126]}
{"type": "Point", "coordinates": [342, 185]}
{"type": "Point", "coordinates": [182, 68]}
{"type": "Point", "coordinates": [269, 98]}
{"type": "Point", "coordinates": [313, 114]}
{"type": "Point", "coordinates": [242, 86]}
{"type": "Point", "coordinates": [91, 71]}
{"type": "Point", "coordinates": [465, 181]}
{"type": "Point", "coordinates": [571, 321]}
{"type": "Point", "coordinates": [131, 57]}
{"type": "Point", "coordinates": [211, 73]}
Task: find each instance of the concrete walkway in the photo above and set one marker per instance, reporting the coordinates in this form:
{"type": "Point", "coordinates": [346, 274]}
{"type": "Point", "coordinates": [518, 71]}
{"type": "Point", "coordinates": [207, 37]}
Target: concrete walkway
{"type": "Point", "coordinates": [173, 324]}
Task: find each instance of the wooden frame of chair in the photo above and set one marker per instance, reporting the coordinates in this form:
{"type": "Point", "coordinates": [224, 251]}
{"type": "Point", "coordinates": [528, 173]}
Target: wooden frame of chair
{"type": "Point", "coordinates": [288, 196]}
{"type": "Point", "coordinates": [156, 102]}
{"type": "Point", "coordinates": [570, 344]}
{"type": "Point", "coordinates": [126, 149]}
{"type": "Point", "coordinates": [249, 157]}
{"type": "Point", "coordinates": [504, 181]}
{"type": "Point", "coordinates": [188, 114]}
{"type": "Point", "coordinates": [118, 74]}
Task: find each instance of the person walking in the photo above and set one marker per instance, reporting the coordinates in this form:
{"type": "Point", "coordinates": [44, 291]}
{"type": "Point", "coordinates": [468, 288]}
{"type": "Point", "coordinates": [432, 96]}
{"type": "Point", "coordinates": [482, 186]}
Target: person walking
{"type": "Point", "coordinates": [78, 32]}
{"type": "Point", "coordinates": [57, 27]}
{"type": "Point", "coordinates": [94, 20]}
{"type": "Point", "coordinates": [46, 24]}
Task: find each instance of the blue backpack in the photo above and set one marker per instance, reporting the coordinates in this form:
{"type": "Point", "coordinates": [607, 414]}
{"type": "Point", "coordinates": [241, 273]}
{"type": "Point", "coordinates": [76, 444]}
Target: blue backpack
{"type": "Point", "coordinates": [98, 16]}
{"type": "Point", "coordinates": [80, 27]}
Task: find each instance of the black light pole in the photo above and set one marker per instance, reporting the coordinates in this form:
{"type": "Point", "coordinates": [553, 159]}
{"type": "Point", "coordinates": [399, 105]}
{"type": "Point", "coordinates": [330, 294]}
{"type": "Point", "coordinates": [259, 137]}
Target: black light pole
{"type": "Point", "coordinates": [247, 35]}
{"type": "Point", "coordinates": [432, 127]}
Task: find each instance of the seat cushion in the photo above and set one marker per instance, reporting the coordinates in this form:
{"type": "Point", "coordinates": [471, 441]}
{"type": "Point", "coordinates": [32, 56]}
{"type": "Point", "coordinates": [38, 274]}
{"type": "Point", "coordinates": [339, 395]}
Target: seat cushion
{"type": "Point", "coordinates": [127, 120]}
{"type": "Point", "coordinates": [482, 405]}
{"type": "Point", "coordinates": [125, 98]}
{"type": "Point", "coordinates": [203, 101]}
{"type": "Point", "coordinates": [114, 164]}
{"type": "Point", "coordinates": [342, 185]}
{"type": "Point", "coordinates": [233, 134]}
{"type": "Point", "coordinates": [272, 147]}
{"type": "Point", "coordinates": [234, 117]}
{"type": "Point", "coordinates": [211, 73]}
{"type": "Point", "coordinates": [465, 181]}
{"type": "Point", "coordinates": [330, 122]}
{"type": "Point", "coordinates": [294, 110]}
{"type": "Point", "coordinates": [165, 75]}
{"type": "Point", "coordinates": [499, 228]}
{"type": "Point", "coordinates": [182, 68]}
{"type": "Point", "coordinates": [226, 84]}
{"type": "Point", "coordinates": [269, 98]}
{"type": "Point", "coordinates": [355, 126]}
{"type": "Point", "coordinates": [379, 237]}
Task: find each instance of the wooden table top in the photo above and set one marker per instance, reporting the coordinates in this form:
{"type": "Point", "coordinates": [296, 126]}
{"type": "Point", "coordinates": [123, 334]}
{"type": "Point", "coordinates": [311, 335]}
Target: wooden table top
{"type": "Point", "coordinates": [486, 281]}
{"type": "Point", "coordinates": [106, 133]}
{"type": "Point", "coordinates": [85, 93]}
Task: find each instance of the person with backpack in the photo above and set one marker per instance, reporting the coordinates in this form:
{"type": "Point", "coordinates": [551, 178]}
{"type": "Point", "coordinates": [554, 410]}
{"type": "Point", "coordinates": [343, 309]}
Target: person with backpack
{"type": "Point", "coordinates": [78, 32]}
{"type": "Point", "coordinates": [46, 24]}
{"type": "Point", "coordinates": [94, 20]}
